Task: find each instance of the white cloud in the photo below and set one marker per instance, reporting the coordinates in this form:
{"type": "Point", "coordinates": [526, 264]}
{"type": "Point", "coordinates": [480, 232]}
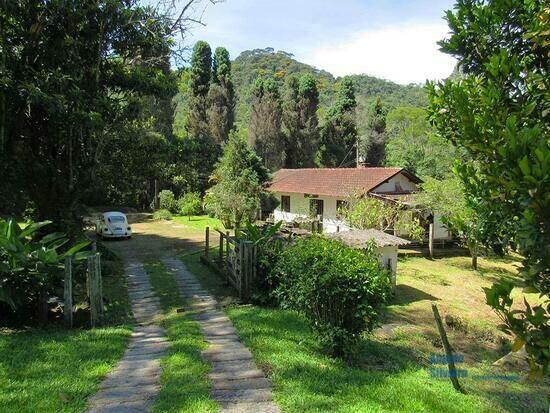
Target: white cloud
{"type": "Point", "coordinates": [404, 54]}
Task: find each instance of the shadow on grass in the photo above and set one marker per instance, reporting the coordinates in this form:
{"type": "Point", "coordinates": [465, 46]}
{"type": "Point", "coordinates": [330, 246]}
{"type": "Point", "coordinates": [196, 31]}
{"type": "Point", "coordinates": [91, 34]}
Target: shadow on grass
{"type": "Point", "coordinates": [490, 272]}
{"type": "Point", "coordinates": [387, 377]}
{"type": "Point", "coordinates": [405, 294]}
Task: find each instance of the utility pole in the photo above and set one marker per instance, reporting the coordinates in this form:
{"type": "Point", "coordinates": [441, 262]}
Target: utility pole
{"type": "Point", "coordinates": [357, 153]}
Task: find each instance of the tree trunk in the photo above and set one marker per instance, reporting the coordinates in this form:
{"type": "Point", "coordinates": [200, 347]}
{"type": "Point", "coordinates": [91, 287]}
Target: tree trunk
{"type": "Point", "coordinates": [473, 253]}
{"type": "Point", "coordinates": [43, 306]}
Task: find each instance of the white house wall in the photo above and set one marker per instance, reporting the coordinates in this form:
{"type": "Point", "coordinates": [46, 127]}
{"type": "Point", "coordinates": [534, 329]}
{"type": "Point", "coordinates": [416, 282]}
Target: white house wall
{"type": "Point", "coordinates": [403, 184]}
{"type": "Point", "coordinates": [440, 231]}
{"type": "Point", "coordinates": [299, 208]}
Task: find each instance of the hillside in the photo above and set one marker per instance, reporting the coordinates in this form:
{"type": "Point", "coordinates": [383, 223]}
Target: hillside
{"type": "Point", "coordinates": [267, 62]}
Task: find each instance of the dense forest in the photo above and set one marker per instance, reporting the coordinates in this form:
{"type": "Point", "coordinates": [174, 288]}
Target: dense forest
{"type": "Point", "coordinates": [251, 64]}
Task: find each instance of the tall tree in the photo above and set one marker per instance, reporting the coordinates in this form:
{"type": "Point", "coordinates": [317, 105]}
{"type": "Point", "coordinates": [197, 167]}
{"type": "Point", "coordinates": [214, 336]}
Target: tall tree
{"type": "Point", "coordinates": [301, 101]}
{"type": "Point", "coordinates": [498, 112]}
{"type": "Point", "coordinates": [372, 146]}
{"type": "Point", "coordinates": [70, 77]}
{"type": "Point", "coordinates": [238, 179]}
{"type": "Point", "coordinates": [201, 150]}
{"type": "Point", "coordinates": [221, 97]}
{"type": "Point", "coordinates": [339, 133]}
{"type": "Point", "coordinates": [199, 84]}
{"type": "Point", "coordinates": [264, 130]}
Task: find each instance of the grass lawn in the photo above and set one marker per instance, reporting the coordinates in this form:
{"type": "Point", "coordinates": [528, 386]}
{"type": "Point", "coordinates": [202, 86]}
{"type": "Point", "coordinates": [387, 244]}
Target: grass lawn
{"type": "Point", "coordinates": [199, 222]}
{"type": "Point", "coordinates": [53, 369]}
{"type": "Point", "coordinates": [185, 386]}
{"type": "Point", "coordinates": [392, 370]}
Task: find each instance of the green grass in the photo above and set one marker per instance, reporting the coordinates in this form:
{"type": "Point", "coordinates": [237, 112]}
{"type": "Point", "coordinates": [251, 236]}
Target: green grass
{"type": "Point", "coordinates": [199, 222]}
{"type": "Point", "coordinates": [391, 373]}
{"type": "Point", "coordinates": [306, 380]}
{"type": "Point", "coordinates": [185, 385]}
{"type": "Point", "coordinates": [54, 369]}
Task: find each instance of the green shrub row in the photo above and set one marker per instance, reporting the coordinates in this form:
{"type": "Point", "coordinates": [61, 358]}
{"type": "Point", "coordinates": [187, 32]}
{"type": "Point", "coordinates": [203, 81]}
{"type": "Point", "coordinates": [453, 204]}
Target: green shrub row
{"type": "Point", "coordinates": [188, 204]}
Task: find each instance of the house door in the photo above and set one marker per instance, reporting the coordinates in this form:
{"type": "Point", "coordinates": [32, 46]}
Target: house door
{"type": "Point", "coordinates": [316, 207]}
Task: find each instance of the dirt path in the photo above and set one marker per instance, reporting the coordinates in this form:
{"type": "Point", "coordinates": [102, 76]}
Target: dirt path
{"type": "Point", "coordinates": [155, 239]}
{"type": "Point", "coordinates": [238, 385]}
{"type": "Point", "coordinates": [135, 381]}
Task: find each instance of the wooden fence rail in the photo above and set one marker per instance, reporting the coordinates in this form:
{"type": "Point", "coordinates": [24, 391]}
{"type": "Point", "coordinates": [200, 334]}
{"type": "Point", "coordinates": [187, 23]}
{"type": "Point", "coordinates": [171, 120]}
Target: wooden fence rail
{"type": "Point", "coordinates": [95, 293]}
{"type": "Point", "coordinates": [236, 259]}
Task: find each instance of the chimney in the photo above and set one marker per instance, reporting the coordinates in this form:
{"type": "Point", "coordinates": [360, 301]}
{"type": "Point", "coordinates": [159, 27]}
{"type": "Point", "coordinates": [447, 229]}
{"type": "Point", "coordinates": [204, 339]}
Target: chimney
{"type": "Point", "coordinates": [362, 162]}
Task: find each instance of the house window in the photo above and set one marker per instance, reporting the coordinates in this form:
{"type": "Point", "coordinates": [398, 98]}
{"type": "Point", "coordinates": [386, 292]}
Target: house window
{"type": "Point", "coordinates": [316, 207]}
{"type": "Point", "coordinates": [285, 203]}
{"type": "Point", "coordinates": [341, 206]}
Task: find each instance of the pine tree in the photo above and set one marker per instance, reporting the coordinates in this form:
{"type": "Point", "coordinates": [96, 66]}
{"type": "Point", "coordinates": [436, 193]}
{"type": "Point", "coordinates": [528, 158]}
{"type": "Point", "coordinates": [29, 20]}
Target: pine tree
{"type": "Point", "coordinates": [300, 120]}
{"type": "Point", "coordinates": [200, 147]}
{"type": "Point", "coordinates": [201, 67]}
{"type": "Point", "coordinates": [339, 133]}
{"type": "Point", "coordinates": [372, 147]}
{"type": "Point", "coordinates": [264, 131]}
{"type": "Point", "coordinates": [221, 98]}
{"type": "Point", "coordinates": [239, 175]}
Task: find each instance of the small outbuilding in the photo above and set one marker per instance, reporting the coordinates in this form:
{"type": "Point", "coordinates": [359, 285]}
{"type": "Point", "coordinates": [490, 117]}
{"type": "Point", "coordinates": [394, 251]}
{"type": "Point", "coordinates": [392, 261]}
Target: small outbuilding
{"type": "Point", "coordinates": [386, 245]}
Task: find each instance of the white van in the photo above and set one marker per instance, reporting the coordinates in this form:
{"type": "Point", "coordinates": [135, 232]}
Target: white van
{"type": "Point", "coordinates": [113, 225]}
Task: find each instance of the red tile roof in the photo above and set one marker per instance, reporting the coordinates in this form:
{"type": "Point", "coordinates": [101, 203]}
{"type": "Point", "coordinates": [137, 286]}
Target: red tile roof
{"type": "Point", "coordinates": [332, 181]}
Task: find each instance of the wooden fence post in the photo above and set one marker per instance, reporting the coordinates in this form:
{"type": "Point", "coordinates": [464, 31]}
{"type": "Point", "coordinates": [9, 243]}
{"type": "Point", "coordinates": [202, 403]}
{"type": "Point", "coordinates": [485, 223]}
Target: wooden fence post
{"type": "Point", "coordinates": [220, 251]}
{"type": "Point", "coordinates": [94, 290]}
{"type": "Point", "coordinates": [431, 240]}
{"type": "Point", "coordinates": [448, 350]}
{"type": "Point", "coordinates": [226, 249]}
{"type": "Point", "coordinates": [100, 286]}
{"type": "Point", "coordinates": [246, 266]}
{"type": "Point", "coordinates": [68, 293]}
{"type": "Point", "coordinates": [254, 261]}
{"type": "Point", "coordinates": [241, 265]}
{"type": "Point", "coordinates": [207, 243]}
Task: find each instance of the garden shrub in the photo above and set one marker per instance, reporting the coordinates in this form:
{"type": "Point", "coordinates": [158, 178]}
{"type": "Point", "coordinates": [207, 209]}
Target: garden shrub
{"type": "Point", "coordinates": [264, 285]}
{"type": "Point", "coordinates": [339, 290]}
{"type": "Point", "coordinates": [190, 204]}
{"type": "Point", "coordinates": [167, 200]}
{"type": "Point", "coordinates": [268, 250]}
{"type": "Point", "coordinates": [162, 214]}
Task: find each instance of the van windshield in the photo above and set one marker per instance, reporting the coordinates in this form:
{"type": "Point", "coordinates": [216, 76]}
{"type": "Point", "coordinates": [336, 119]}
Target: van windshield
{"type": "Point", "coordinates": [116, 218]}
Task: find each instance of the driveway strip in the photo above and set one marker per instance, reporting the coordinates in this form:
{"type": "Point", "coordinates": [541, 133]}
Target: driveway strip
{"type": "Point", "coordinates": [238, 385]}
{"type": "Point", "coordinates": [134, 383]}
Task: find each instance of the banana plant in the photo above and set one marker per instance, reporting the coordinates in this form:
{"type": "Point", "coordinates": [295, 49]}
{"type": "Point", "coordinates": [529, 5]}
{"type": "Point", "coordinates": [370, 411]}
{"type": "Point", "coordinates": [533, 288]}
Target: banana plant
{"type": "Point", "coordinates": [260, 236]}
{"type": "Point", "coordinates": [29, 263]}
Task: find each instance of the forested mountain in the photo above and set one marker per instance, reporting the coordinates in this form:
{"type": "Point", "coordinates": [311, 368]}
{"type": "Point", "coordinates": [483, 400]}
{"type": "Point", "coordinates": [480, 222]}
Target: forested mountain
{"type": "Point", "coordinates": [267, 62]}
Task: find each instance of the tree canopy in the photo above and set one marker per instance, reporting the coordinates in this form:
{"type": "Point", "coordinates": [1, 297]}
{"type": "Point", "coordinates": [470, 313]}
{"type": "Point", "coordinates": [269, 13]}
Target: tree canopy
{"type": "Point", "coordinates": [497, 111]}
{"type": "Point", "coordinates": [63, 108]}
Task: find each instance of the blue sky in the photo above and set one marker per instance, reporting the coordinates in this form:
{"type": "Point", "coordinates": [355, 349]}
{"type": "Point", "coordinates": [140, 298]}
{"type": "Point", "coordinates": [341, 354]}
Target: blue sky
{"type": "Point", "coordinates": [394, 40]}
